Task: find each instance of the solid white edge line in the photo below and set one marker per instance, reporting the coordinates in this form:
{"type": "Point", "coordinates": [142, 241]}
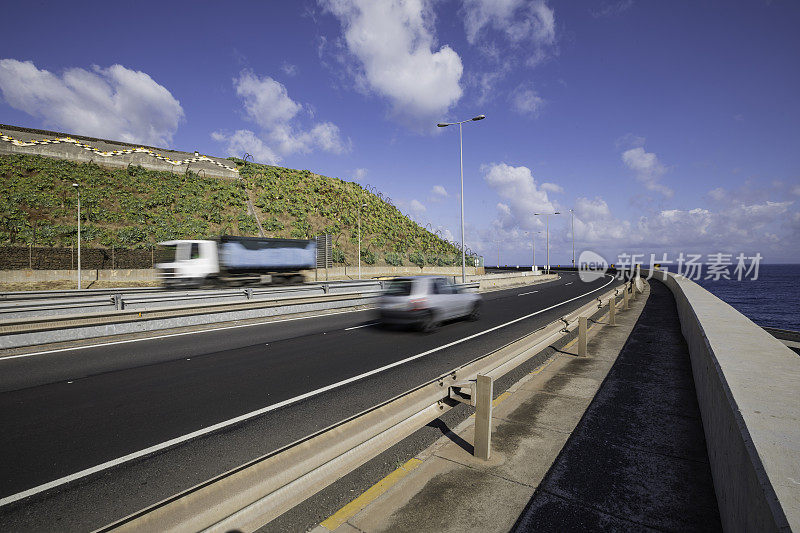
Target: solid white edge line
{"type": "Point", "coordinates": [3, 358]}
{"type": "Point", "coordinates": [252, 414]}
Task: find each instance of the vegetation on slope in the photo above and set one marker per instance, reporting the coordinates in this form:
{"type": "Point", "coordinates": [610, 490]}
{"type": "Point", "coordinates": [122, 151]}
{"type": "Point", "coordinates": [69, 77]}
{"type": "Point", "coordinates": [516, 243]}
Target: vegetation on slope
{"type": "Point", "coordinates": [135, 207]}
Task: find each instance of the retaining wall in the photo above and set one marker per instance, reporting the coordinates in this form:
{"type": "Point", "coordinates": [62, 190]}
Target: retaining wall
{"type": "Point", "coordinates": [17, 140]}
{"type": "Point", "coordinates": [748, 388]}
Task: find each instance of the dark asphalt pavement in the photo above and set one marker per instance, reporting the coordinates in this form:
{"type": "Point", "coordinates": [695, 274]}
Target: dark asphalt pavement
{"type": "Point", "coordinates": [67, 411]}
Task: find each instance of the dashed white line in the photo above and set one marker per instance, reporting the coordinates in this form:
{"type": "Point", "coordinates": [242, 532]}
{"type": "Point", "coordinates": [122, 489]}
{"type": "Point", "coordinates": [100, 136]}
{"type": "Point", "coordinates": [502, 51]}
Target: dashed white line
{"type": "Point", "coordinates": [524, 293]}
{"type": "Point", "coordinates": [263, 410]}
{"type": "Point", "coordinates": [570, 283]}
{"type": "Point", "coordinates": [361, 326]}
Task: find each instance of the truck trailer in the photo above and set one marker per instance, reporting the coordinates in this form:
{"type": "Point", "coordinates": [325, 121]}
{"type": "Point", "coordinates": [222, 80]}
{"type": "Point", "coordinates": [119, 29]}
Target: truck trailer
{"type": "Point", "coordinates": [237, 261]}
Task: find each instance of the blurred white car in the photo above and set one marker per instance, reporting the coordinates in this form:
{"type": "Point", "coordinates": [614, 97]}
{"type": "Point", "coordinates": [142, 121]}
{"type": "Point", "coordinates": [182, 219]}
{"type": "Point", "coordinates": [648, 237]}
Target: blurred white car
{"type": "Point", "coordinates": [426, 302]}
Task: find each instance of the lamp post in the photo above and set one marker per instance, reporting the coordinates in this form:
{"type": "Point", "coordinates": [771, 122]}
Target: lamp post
{"type": "Point", "coordinates": [461, 160]}
{"type": "Point", "coordinates": [547, 232]}
{"type": "Point", "coordinates": [572, 213]}
{"type": "Point", "coordinates": [533, 243]}
{"type": "Point", "coordinates": [359, 238]}
{"type": "Point", "coordinates": [78, 190]}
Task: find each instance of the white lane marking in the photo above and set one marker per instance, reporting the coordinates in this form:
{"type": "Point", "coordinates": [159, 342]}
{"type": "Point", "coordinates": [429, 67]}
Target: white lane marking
{"type": "Point", "coordinates": [524, 293]}
{"type": "Point", "coordinates": [263, 410]}
{"type": "Point", "coordinates": [3, 358]}
{"type": "Point", "coordinates": [570, 283]}
{"type": "Point", "coordinates": [361, 326]}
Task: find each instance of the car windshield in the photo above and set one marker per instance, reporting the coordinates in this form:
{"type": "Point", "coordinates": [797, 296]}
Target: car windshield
{"type": "Point", "coordinates": [399, 287]}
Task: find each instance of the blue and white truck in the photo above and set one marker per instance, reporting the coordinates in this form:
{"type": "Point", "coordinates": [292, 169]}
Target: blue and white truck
{"type": "Point", "coordinates": [237, 261]}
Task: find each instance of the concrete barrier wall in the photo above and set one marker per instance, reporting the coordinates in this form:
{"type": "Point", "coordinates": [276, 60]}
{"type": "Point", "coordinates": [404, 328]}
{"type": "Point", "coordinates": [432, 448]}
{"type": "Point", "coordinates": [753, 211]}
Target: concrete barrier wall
{"type": "Point", "coordinates": [497, 281]}
{"type": "Point", "coordinates": [367, 272]}
{"type": "Point", "coordinates": [748, 388]}
{"type": "Point", "coordinates": [87, 275]}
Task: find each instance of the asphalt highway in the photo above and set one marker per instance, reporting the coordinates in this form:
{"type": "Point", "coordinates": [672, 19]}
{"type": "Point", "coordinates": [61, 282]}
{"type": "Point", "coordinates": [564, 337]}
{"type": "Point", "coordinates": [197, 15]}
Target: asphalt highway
{"type": "Point", "coordinates": [132, 423]}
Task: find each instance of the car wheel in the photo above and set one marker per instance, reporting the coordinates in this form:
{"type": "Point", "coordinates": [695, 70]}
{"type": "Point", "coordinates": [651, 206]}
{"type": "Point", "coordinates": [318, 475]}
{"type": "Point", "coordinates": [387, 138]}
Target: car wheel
{"type": "Point", "coordinates": [475, 314]}
{"type": "Point", "coordinates": [428, 323]}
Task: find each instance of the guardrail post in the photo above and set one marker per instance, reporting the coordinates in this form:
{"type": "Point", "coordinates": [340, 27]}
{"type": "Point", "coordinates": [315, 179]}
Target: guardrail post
{"type": "Point", "coordinates": [248, 293]}
{"type": "Point", "coordinates": [483, 418]}
{"type": "Point", "coordinates": [625, 299]}
{"type": "Point", "coordinates": [117, 299]}
{"type": "Point", "coordinates": [582, 336]}
{"type": "Point", "coordinates": [612, 311]}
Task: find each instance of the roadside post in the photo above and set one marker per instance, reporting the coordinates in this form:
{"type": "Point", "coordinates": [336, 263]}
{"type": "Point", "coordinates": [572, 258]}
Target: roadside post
{"type": "Point", "coordinates": [612, 311]}
{"type": "Point", "coordinates": [483, 418]}
{"type": "Point", "coordinates": [582, 322]}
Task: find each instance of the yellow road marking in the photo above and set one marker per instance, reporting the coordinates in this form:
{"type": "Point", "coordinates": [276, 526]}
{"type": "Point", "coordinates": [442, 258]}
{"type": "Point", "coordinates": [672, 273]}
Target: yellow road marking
{"type": "Point", "coordinates": [497, 401]}
{"type": "Point", "coordinates": [345, 513]}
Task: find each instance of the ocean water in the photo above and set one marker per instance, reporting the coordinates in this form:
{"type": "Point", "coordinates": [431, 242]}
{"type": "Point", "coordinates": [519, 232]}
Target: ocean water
{"type": "Point", "coordinates": [772, 300]}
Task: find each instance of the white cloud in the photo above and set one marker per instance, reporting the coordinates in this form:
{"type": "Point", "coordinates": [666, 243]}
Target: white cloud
{"type": "Point", "coordinates": [114, 103]}
{"type": "Point", "coordinates": [519, 21]}
{"type": "Point", "coordinates": [417, 207]}
{"type": "Point", "coordinates": [718, 194]}
{"type": "Point", "coordinates": [265, 100]}
{"type": "Point", "coordinates": [796, 190]}
{"type": "Point", "coordinates": [595, 224]}
{"type": "Point", "coordinates": [438, 192]}
{"type": "Point", "coordinates": [267, 103]}
{"type": "Point", "coordinates": [734, 228]}
{"type": "Point", "coordinates": [245, 141]}
{"type": "Point", "coordinates": [397, 53]}
{"type": "Point", "coordinates": [629, 140]}
{"type": "Point", "coordinates": [359, 174]}
{"type": "Point", "coordinates": [289, 69]}
{"type": "Point", "coordinates": [526, 101]}
{"type": "Point", "coordinates": [552, 187]}
{"type": "Point", "coordinates": [522, 197]}
{"type": "Point", "coordinates": [647, 168]}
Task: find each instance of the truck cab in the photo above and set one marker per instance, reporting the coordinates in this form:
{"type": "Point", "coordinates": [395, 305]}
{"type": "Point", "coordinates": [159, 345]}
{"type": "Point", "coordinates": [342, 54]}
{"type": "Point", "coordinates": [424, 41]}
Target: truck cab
{"type": "Point", "coordinates": [194, 262]}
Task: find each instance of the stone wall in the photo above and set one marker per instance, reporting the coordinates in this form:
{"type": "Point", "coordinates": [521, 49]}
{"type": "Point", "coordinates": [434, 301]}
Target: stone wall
{"type": "Point", "coordinates": [16, 140]}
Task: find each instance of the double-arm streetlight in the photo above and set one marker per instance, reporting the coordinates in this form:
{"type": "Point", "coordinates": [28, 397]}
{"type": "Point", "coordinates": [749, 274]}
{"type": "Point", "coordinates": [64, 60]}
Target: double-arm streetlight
{"type": "Point", "coordinates": [461, 160]}
{"type": "Point", "coordinates": [359, 238]}
{"type": "Point", "coordinates": [78, 190]}
{"type": "Point", "coordinates": [547, 232]}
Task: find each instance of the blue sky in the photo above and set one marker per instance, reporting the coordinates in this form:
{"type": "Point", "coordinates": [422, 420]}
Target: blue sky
{"type": "Point", "coordinates": [668, 126]}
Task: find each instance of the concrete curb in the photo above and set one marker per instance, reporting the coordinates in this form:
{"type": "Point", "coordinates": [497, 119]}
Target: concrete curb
{"type": "Point", "coordinates": [747, 387]}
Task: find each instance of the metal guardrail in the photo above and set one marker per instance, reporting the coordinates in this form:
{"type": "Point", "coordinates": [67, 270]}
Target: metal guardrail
{"type": "Point", "coordinates": [159, 307]}
{"type": "Point", "coordinates": [143, 300]}
{"type": "Point", "coordinates": [252, 495]}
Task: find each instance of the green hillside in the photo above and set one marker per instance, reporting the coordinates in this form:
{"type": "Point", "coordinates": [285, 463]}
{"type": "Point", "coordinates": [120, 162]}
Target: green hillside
{"type": "Point", "coordinates": [134, 208]}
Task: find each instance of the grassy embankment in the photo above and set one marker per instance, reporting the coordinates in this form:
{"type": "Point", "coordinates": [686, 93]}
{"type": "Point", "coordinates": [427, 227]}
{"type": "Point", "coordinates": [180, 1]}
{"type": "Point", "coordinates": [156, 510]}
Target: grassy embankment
{"type": "Point", "coordinates": [134, 207]}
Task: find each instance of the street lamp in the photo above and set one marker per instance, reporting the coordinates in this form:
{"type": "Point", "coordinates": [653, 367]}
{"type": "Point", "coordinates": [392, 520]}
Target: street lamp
{"type": "Point", "coordinates": [572, 213]}
{"type": "Point", "coordinates": [461, 160]}
{"type": "Point", "coordinates": [533, 242]}
{"type": "Point", "coordinates": [547, 232]}
{"type": "Point", "coordinates": [359, 238]}
{"type": "Point", "coordinates": [78, 190]}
